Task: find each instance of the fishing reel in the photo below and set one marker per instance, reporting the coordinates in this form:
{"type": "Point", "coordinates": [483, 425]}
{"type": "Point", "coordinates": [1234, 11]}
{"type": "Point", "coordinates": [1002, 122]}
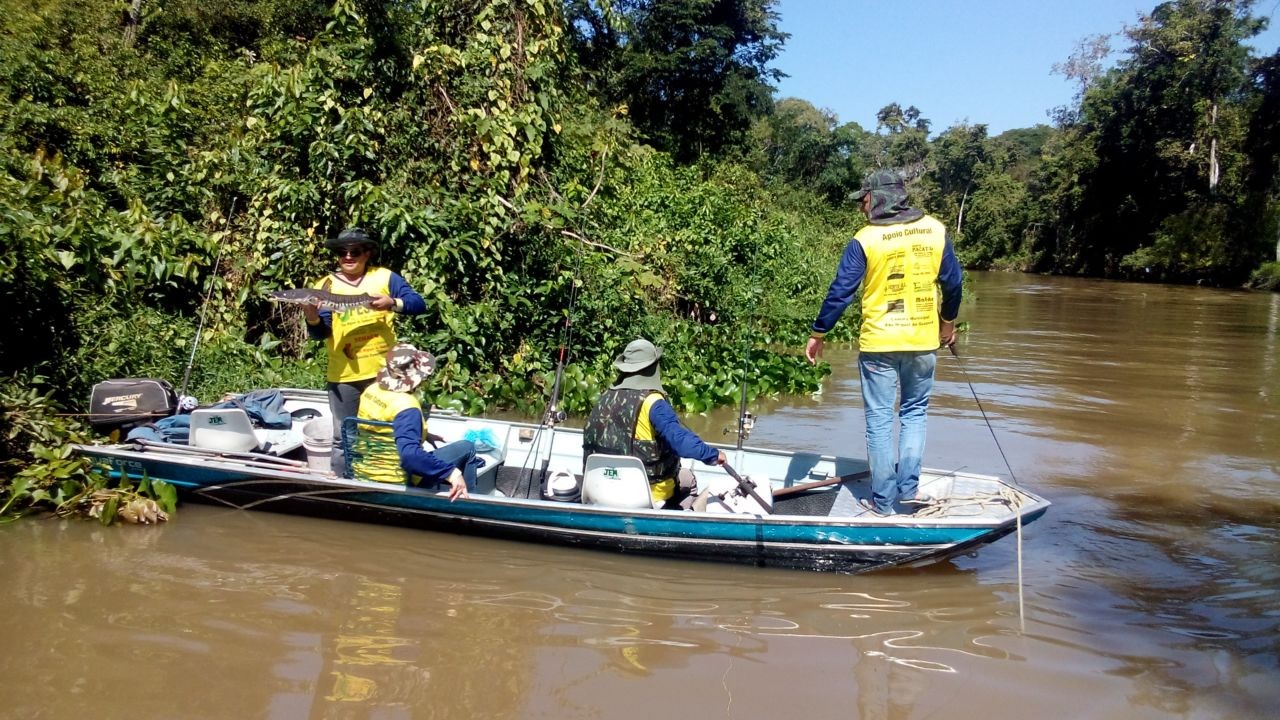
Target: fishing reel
{"type": "Point", "coordinates": [554, 417]}
{"type": "Point", "coordinates": [746, 423]}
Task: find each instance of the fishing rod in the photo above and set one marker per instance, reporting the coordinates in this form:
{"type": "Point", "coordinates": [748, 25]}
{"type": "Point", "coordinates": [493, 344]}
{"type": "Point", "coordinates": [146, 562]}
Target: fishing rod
{"type": "Point", "coordinates": [992, 430]}
{"type": "Point", "coordinates": [554, 415]}
{"type": "Point", "coordinates": [746, 421]}
{"type": "Point", "coordinates": [1022, 617]}
{"type": "Point", "coordinates": [204, 306]}
{"type": "Point", "coordinates": [747, 487]}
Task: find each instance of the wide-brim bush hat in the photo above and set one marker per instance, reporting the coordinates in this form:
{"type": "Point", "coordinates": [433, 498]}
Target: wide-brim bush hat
{"type": "Point", "coordinates": [638, 355]}
{"type": "Point", "coordinates": [406, 368]}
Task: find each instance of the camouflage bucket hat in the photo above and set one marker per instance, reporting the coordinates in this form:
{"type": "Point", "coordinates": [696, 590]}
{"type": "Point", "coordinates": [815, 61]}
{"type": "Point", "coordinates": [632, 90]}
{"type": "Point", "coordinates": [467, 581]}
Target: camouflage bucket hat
{"type": "Point", "coordinates": [407, 367]}
{"type": "Point", "coordinates": [881, 181]}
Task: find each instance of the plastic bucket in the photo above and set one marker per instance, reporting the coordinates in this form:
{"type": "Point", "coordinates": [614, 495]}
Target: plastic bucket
{"type": "Point", "coordinates": [317, 439]}
{"type": "Point", "coordinates": [564, 487]}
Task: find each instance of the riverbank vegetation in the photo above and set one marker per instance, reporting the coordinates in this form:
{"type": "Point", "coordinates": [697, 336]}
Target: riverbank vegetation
{"type": "Point", "coordinates": [547, 174]}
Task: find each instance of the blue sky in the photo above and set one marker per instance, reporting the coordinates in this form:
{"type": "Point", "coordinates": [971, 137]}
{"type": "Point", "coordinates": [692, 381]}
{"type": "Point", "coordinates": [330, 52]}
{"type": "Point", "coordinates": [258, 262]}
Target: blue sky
{"type": "Point", "coordinates": [984, 61]}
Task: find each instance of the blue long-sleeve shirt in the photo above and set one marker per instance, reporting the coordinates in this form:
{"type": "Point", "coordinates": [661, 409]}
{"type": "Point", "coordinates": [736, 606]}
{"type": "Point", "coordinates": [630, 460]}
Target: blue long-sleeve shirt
{"type": "Point", "coordinates": [852, 268]}
{"type": "Point", "coordinates": [415, 459]}
{"type": "Point", "coordinates": [682, 440]}
{"type": "Point", "coordinates": [398, 289]}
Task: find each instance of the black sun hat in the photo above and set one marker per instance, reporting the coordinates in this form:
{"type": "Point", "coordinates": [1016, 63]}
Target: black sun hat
{"type": "Point", "coordinates": [351, 236]}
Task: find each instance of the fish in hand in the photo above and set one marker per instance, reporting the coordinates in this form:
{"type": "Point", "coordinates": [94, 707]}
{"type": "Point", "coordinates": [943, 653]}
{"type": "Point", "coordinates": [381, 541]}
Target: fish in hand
{"type": "Point", "coordinates": [319, 298]}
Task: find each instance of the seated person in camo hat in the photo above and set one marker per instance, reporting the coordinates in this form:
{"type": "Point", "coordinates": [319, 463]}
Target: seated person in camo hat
{"type": "Point", "coordinates": [391, 399]}
{"type": "Point", "coordinates": [634, 418]}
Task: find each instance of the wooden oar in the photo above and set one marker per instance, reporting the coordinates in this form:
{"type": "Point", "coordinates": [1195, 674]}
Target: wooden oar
{"type": "Point", "coordinates": [748, 487]}
{"type": "Point", "coordinates": [783, 492]}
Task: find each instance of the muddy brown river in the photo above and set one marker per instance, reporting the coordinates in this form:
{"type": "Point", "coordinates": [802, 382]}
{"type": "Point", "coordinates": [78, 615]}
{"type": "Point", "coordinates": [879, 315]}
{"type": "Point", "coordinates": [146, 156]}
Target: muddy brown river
{"type": "Point", "coordinates": [1148, 414]}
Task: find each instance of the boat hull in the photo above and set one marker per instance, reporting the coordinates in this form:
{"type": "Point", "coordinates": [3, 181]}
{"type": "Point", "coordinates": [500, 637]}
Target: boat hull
{"type": "Point", "coordinates": [802, 542]}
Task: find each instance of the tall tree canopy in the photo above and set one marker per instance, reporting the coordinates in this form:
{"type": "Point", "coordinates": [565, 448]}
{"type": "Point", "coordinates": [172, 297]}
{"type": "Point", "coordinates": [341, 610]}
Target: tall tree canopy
{"type": "Point", "coordinates": [1167, 128]}
{"type": "Point", "coordinates": [694, 74]}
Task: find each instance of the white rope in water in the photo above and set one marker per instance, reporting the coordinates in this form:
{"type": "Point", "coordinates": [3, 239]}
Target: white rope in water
{"type": "Point", "coordinates": [1008, 497]}
{"type": "Point", "coordinates": [1022, 615]}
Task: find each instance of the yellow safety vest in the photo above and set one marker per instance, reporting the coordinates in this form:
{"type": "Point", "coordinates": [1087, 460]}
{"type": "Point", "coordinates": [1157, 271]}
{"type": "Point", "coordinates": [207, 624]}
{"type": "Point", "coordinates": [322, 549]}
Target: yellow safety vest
{"type": "Point", "coordinates": [900, 295]}
{"type": "Point", "coordinates": [375, 461]}
{"type": "Point", "coordinates": [663, 489]}
{"type": "Point", "coordinates": [361, 336]}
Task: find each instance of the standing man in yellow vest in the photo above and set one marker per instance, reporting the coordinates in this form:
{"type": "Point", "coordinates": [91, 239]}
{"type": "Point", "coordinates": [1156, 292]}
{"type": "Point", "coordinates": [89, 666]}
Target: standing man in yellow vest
{"type": "Point", "coordinates": [901, 258]}
{"type": "Point", "coordinates": [357, 339]}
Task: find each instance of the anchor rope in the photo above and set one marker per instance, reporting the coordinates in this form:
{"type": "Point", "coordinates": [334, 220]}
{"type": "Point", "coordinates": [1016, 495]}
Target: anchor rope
{"type": "Point", "coordinates": [1022, 619]}
{"type": "Point", "coordinates": [942, 507]}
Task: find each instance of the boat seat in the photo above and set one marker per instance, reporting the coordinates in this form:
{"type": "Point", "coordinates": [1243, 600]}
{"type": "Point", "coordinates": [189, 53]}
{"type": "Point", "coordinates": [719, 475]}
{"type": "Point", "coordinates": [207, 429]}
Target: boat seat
{"type": "Point", "coordinates": [487, 474]}
{"type": "Point", "coordinates": [226, 429]}
{"type": "Point", "coordinates": [231, 430]}
{"type": "Point", "coordinates": [489, 450]}
{"type": "Point", "coordinates": [616, 481]}
{"type": "Point", "coordinates": [279, 441]}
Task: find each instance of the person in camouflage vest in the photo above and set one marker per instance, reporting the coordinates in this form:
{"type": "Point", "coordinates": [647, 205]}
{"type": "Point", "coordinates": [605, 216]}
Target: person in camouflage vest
{"type": "Point", "coordinates": [634, 418]}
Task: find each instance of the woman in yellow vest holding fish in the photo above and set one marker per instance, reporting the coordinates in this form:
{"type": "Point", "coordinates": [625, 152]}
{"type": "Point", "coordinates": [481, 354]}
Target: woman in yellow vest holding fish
{"type": "Point", "coordinates": [357, 338]}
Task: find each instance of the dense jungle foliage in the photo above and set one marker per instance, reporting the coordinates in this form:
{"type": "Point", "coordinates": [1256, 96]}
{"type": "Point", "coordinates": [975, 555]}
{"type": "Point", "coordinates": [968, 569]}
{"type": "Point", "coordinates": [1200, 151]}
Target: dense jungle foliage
{"type": "Point", "coordinates": [545, 173]}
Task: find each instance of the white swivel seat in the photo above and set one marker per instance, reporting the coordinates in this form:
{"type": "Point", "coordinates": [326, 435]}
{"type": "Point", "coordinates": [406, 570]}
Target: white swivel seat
{"type": "Point", "coordinates": [225, 429]}
{"type": "Point", "coordinates": [616, 481]}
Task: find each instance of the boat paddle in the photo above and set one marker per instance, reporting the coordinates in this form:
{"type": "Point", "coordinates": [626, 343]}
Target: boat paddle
{"type": "Point", "coordinates": [747, 487]}
{"type": "Point", "coordinates": [834, 480]}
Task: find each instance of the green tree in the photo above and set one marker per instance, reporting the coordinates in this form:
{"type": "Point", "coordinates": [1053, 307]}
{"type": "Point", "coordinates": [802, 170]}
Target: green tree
{"type": "Point", "coordinates": [694, 74]}
{"type": "Point", "coordinates": [902, 140]}
{"type": "Point", "coordinates": [1167, 126]}
{"type": "Point", "coordinates": [958, 157]}
{"type": "Point", "coordinates": [803, 146]}
{"type": "Point", "coordinates": [1261, 216]}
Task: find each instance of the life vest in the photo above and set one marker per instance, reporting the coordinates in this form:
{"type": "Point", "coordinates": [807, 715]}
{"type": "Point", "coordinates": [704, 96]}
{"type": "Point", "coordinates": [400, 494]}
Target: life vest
{"type": "Point", "coordinates": [900, 295]}
{"type": "Point", "coordinates": [361, 336]}
{"type": "Point", "coordinates": [382, 405]}
{"type": "Point", "coordinates": [619, 425]}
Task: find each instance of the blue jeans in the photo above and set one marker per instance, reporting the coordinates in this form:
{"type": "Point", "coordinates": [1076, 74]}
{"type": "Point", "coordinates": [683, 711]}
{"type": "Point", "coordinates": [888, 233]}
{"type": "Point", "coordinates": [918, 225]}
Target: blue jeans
{"type": "Point", "coordinates": [905, 378]}
{"type": "Point", "coordinates": [462, 455]}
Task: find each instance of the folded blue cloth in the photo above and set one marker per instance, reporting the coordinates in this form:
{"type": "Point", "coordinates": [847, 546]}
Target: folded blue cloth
{"type": "Point", "coordinates": [173, 429]}
{"type": "Point", "coordinates": [483, 439]}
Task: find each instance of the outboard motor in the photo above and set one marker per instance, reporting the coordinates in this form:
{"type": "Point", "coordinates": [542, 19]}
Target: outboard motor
{"type": "Point", "coordinates": [119, 403]}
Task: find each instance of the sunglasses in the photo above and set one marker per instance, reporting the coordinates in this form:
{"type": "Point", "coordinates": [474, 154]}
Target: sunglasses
{"type": "Point", "coordinates": [349, 252]}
